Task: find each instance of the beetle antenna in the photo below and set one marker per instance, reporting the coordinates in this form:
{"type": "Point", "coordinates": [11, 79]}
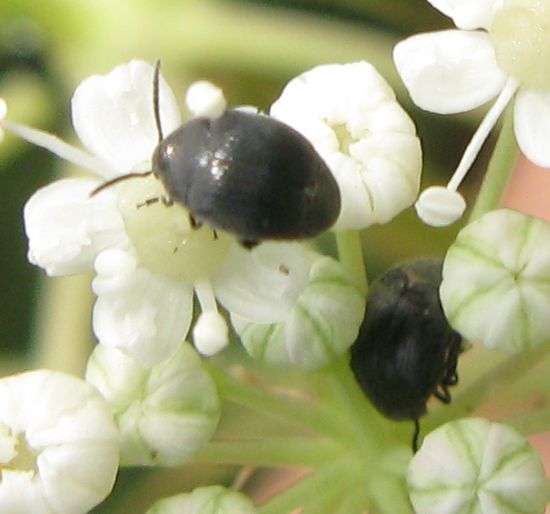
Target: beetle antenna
{"type": "Point", "coordinates": [156, 102]}
{"type": "Point", "coordinates": [116, 180]}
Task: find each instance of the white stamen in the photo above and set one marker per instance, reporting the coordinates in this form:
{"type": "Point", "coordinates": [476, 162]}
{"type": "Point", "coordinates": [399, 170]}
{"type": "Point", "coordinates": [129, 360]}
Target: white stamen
{"type": "Point", "coordinates": [205, 99]}
{"type": "Point", "coordinates": [482, 132]}
{"type": "Point", "coordinates": [59, 148]}
{"type": "Point", "coordinates": [438, 206]}
{"type": "Point", "coordinates": [210, 333]}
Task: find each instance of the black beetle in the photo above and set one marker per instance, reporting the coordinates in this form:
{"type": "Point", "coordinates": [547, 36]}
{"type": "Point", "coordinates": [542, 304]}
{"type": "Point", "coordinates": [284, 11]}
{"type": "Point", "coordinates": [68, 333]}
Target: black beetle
{"type": "Point", "coordinates": [250, 175]}
{"type": "Point", "coordinates": [406, 350]}
{"type": "Point", "coordinates": [244, 173]}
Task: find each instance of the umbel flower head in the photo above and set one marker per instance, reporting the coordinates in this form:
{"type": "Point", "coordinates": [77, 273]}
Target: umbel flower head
{"type": "Point", "coordinates": [500, 47]}
{"type": "Point", "coordinates": [148, 258]}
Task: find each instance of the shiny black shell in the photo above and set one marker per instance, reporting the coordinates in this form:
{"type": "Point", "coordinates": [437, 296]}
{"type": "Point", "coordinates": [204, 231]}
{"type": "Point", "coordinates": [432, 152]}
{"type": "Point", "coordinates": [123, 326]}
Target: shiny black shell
{"type": "Point", "coordinates": [406, 351]}
{"type": "Point", "coordinates": [248, 174]}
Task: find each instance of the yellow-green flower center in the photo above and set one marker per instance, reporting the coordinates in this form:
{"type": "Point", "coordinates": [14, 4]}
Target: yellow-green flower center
{"type": "Point", "coordinates": [163, 236]}
{"type": "Point", "coordinates": [521, 36]}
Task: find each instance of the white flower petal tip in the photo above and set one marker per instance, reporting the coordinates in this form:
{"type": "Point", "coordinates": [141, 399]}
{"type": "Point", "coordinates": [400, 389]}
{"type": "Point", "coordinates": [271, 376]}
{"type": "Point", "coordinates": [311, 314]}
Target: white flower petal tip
{"type": "Point", "coordinates": [532, 125]}
{"type": "Point", "coordinates": [205, 500]}
{"type": "Point", "coordinates": [449, 71]}
{"type": "Point", "coordinates": [166, 413]}
{"type": "Point", "coordinates": [210, 333]}
{"type": "Point", "coordinates": [495, 281]}
{"type": "Point", "coordinates": [59, 443]}
{"type": "Point", "coordinates": [67, 228]}
{"type": "Point", "coordinates": [262, 284]}
{"type": "Point", "coordinates": [320, 327]}
{"type": "Point", "coordinates": [438, 206]}
{"type": "Point", "coordinates": [205, 99]}
{"type": "Point", "coordinates": [469, 14]}
{"type": "Point", "coordinates": [350, 115]}
{"type": "Point", "coordinates": [473, 465]}
{"type": "Point", "coordinates": [113, 114]}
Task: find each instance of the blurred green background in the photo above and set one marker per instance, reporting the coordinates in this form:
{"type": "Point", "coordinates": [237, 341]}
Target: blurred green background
{"type": "Point", "coordinates": [251, 49]}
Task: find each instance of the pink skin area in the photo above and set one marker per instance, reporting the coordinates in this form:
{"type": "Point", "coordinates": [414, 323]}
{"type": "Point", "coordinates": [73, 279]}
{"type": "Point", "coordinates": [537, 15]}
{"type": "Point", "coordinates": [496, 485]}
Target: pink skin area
{"type": "Point", "coordinates": [528, 191]}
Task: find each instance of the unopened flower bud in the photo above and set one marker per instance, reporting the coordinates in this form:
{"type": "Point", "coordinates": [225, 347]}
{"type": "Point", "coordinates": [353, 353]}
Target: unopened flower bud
{"type": "Point", "coordinates": [166, 413]}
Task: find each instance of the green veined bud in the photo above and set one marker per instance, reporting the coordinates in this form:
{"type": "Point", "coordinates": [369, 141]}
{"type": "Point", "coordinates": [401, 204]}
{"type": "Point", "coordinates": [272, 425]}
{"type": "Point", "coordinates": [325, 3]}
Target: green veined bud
{"type": "Point", "coordinates": [319, 328]}
{"type": "Point", "coordinates": [165, 414]}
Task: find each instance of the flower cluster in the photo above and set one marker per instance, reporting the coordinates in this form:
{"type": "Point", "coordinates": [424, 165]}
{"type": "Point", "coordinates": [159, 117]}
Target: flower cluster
{"type": "Point", "coordinates": [498, 48]}
{"type": "Point", "coordinates": [151, 398]}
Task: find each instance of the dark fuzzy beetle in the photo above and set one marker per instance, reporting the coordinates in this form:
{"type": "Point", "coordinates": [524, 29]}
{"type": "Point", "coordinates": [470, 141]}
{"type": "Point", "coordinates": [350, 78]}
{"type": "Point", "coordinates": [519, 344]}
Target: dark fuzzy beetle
{"type": "Point", "coordinates": [406, 351]}
{"type": "Point", "coordinates": [244, 173]}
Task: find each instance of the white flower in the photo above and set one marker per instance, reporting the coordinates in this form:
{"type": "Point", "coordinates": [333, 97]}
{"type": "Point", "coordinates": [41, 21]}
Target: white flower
{"type": "Point", "coordinates": [495, 287]}
{"type": "Point", "coordinates": [166, 413]}
{"type": "Point", "coordinates": [213, 499]}
{"type": "Point", "coordinates": [58, 445]}
{"type": "Point", "coordinates": [351, 116]}
{"type": "Point", "coordinates": [473, 465]}
{"type": "Point", "coordinates": [499, 48]}
{"type": "Point", "coordinates": [147, 257]}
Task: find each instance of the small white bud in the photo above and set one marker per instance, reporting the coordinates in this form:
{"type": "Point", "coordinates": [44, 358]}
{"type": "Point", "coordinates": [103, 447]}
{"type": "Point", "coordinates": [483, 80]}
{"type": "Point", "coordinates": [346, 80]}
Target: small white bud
{"type": "Point", "coordinates": [438, 206]}
{"type": "Point", "coordinates": [473, 465]}
{"type": "Point", "coordinates": [166, 413]}
{"type": "Point", "coordinates": [494, 288]}
{"type": "Point", "coordinates": [205, 500]}
{"type": "Point", "coordinates": [205, 99]}
{"type": "Point", "coordinates": [210, 333]}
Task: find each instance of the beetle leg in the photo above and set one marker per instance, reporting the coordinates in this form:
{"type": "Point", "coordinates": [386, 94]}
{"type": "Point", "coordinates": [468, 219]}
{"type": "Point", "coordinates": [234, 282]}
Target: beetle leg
{"type": "Point", "coordinates": [443, 394]}
{"type": "Point", "coordinates": [149, 201]}
{"type": "Point", "coordinates": [193, 222]}
{"type": "Point", "coordinates": [167, 201]}
{"type": "Point", "coordinates": [249, 244]}
{"type": "Point", "coordinates": [215, 234]}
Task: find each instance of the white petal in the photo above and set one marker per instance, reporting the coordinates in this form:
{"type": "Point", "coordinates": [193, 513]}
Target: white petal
{"type": "Point", "coordinates": [113, 114]}
{"type": "Point", "coordinates": [350, 115]}
{"type": "Point", "coordinates": [469, 14]}
{"type": "Point", "coordinates": [67, 229]}
{"type": "Point", "coordinates": [262, 284]}
{"type": "Point", "coordinates": [166, 413]}
{"type": "Point", "coordinates": [438, 206]}
{"type": "Point", "coordinates": [449, 71]}
{"type": "Point", "coordinates": [532, 125]}
{"type": "Point", "coordinates": [143, 314]}
{"type": "Point", "coordinates": [69, 427]}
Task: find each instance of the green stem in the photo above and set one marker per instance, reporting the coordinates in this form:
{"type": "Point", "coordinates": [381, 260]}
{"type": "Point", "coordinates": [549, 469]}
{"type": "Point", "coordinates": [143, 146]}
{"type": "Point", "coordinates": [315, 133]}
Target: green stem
{"type": "Point", "coordinates": [489, 385]}
{"type": "Point", "coordinates": [323, 479]}
{"type": "Point", "coordinates": [369, 427]}
{"type": "Point", "coordinates": [270, 452]}
{"type": "Point", "coordinates": [499, 170]}
{"type": "Point", "coordinates": [315, 418]}
{"type": "Point", "coordinates": [350, 251]}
